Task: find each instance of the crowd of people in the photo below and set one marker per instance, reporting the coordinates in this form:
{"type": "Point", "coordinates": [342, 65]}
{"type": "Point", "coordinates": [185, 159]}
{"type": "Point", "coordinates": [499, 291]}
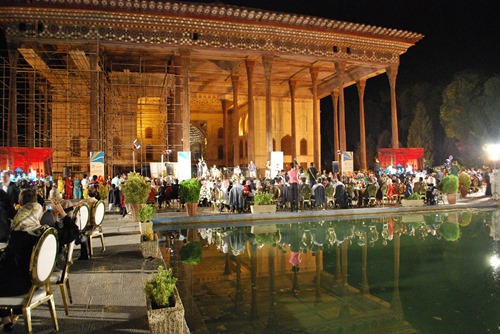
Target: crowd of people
{"type": "Point", "coordinates": [27, 209]}
{"type": "Point", "coordinates": [233, 188]}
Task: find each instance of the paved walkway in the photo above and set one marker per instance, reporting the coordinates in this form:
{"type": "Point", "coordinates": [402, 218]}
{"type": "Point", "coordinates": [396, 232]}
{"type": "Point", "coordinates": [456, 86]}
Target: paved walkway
{"type": "Point", "coordinates": [108, 292]}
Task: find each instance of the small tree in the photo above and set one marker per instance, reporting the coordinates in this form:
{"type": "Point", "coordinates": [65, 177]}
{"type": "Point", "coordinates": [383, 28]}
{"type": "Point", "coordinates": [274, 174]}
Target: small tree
{"type": "Point", "coordinates": [136, 189]}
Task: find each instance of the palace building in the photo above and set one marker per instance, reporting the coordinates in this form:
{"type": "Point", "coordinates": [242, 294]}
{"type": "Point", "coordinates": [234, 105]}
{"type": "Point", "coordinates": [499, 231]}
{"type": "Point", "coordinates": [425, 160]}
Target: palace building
{"type": "Point", "coordinates": [229, 84]}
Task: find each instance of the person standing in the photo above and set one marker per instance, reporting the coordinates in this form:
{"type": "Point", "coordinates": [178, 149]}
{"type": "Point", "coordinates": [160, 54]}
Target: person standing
{"type": "Point", "coordinates": [10, 188]}
{"type": "Point", "coordinates": [252, 169]}
{"type": "Point", "coordinates": [293, 180]}
{"type": "Point", "coordinates": [77, 188]}
{"type": "Point", "coordinates": [68, 188]}
{"type": "Point", "coordinates": [313, 173]}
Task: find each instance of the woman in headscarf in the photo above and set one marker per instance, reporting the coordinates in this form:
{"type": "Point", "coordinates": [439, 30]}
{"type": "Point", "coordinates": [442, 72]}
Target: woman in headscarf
{"type": "Point", "coordinates": [15, 266]}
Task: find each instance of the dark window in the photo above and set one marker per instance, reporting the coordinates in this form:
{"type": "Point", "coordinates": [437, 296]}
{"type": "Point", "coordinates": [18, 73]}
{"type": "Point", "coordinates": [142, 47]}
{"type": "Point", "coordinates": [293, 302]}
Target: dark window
{"type": "Point", "coordinates": [220, 152]}
{"type": "Point", "coordinates": [220, 133]}
{"type": "Point", "coordinates": [286, 145]}
{"type": "Point", "coordinates": [149, 132]}
{"type": "Point", "coordinates": [75, 147]}
{"type": "Point", "coordinates": [117, 149]}
{"type": "Point", "coordinates": [303, 147]}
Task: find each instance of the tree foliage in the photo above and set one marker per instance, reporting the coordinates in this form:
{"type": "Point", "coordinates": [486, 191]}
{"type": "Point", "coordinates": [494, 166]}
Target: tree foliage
{"type": "Point", "coordinates": [469, 112]}
{"type": "Point", "coordinates": [420, 133]}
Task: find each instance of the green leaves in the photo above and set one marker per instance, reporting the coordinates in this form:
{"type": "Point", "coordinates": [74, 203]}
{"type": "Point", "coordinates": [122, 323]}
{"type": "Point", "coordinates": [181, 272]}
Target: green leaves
{"type": "Point", "coordinates": [161, 286]}
{"type": "Point", "coordinates": [135, 189]}
{"type": "Point", "coordinates": [263, 199]}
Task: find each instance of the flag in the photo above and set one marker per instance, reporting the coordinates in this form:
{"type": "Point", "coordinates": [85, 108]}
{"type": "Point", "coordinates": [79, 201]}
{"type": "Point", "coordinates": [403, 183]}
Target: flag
{"type": "Point", "coordinates": [136, 145]}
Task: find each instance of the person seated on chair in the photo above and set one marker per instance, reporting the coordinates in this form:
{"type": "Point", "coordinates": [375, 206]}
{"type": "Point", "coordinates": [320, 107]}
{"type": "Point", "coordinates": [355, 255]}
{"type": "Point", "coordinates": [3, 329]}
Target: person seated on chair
{"type": "Point", "coordinates": [15, 265]}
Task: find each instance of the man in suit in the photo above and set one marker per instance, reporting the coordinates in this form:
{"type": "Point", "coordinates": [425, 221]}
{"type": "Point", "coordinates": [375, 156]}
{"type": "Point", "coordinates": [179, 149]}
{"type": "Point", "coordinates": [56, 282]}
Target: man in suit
{"type": "Point", "coordinates": [10, 188]}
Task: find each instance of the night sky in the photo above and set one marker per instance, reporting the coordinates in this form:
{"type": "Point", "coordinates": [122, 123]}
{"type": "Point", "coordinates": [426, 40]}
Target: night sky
{"type": "Point", "coordinates": [459, 35]}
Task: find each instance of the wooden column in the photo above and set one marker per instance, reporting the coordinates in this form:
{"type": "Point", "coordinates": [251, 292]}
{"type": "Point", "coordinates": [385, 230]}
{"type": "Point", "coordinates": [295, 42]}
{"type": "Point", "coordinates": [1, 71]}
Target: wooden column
{"type": "Point", "coordinates": [94, 114]}
{"type": "Point", "coordinates": [225, 120]}
{"type": "Point", "coordinates": [177, 133]}
{"type": "Point", "coordinates": [267, 61]}
{"type": "Point", "coordinates": [186, 114]}
{"type": "Point", "coordinates": [236, 118]}
{"type": "Point", "coordinates": [365, 288]}
{"type": "Point", "coordinates": [249, 65]}
{"type": "Point", "coordinates": [292, 84]}
{"type": "Point", "coordinates": [392, 72]}
{"type": "Point", "coordinates": [361, 84]}
{"type": "Point", "coordinates": [316, 118]}
{"type": "Point", "coordinates": [336, 142]}
{"type": "Point", "coordinates": [340, 67]}
{"type": "Point", "coordinates": [12, 119]}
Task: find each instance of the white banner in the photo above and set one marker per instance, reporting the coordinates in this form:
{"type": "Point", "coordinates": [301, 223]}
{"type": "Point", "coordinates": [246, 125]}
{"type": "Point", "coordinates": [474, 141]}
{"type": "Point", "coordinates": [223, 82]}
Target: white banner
{"type": "Point", "coordinates": [97, 163]}
{"type": "Point", "coordinates": [347, 162]}
{"type": "Point", "coordinates": [184, 165]}
{"type": "Point", "coordinates": [276, 163]}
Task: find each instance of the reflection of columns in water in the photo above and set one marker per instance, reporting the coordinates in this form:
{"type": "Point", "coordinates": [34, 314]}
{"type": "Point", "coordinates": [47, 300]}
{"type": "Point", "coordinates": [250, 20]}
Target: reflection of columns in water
{"type": "Point", "coordinates": [339, 269]}
{"type": "Point", "coordinates": [317, 282]}
{"type": "Point", "coordinates": [184, 271]}
{"type": "Point", "coordinates": [227, 266]}
{"type": "Point", "coordinates": [272, 288]}
{"type": "Point", "coordinates": [345, 246]}
{"type": "Point", "coordinates": [239, 298]}
{"type": "Point", "coordinates": [253, 262]}
{"type": "Point", "coordinates": [365, 287]}
{"type": "Point", "coordinates": [396, 300]}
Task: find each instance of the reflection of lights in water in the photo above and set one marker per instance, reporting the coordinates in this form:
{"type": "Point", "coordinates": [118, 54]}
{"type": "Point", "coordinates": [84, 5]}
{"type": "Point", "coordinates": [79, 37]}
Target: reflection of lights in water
{"type": "Point", "coordinates": [495, 261]}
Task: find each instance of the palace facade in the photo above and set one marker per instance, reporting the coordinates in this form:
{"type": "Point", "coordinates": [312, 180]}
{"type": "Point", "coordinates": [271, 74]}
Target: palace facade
{"type": "Point", "coordinates": [230, 84]}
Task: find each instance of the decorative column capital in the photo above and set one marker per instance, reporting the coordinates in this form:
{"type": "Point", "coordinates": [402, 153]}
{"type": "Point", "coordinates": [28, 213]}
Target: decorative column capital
{"type": "Point", "coordinates": [292, 84]}
{"type": "Point", "coordinates": [249, 65]}
{"type": "Point", "coordinates": [267, 62]}
{"type": "Point", "coordinates": [314, 74]}
{"type": "Point", "coordinates": [392, 73]}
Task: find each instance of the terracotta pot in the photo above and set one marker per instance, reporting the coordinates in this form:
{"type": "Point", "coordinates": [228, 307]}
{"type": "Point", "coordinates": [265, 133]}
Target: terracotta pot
{"type": "Point", "coordinates": [463, 192]}
{"type": "Point", "coordinates": [452, 198]}
{"type": "Point", "coordinates": [191, 209]}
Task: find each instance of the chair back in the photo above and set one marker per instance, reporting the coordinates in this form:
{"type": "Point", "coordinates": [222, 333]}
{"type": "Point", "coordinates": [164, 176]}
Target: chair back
{"type": "Point", "coordinates": [82, 216]}
{"type": "Point", "coordinates": [372, 190]}
{"type": "Point", "coordinates": [306, 191]}
{"type": "Point", "coordinates": [69, 261]}
{"type": "Point", "coordinates": [330, 190]}
{"type": "Point", "coordinates": [384, 189]}
{"type": "Point", "coordinates": [43, 257]}
{"type": "Point", "coordinates": [98, 211]}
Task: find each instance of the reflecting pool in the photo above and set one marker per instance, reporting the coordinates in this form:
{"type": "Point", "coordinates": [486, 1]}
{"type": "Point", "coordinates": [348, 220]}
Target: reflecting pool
{"type": "Point", "coordinates": [432, 273]}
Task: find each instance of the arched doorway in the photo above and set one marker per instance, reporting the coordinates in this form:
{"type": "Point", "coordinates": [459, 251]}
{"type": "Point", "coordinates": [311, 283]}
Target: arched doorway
{"type": "Point", "coordinates": [198, 140]}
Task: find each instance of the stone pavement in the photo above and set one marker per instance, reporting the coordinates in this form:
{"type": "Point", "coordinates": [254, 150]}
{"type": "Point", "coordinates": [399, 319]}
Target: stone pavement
{"type": "Point", "coordinates": [107, 290]}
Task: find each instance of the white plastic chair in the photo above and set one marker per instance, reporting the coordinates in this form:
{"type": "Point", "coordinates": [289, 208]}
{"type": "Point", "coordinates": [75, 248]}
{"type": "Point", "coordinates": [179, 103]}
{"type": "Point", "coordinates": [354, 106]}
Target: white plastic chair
{"type": "Point", "coordinates": [61, 277]}
{"type": "Point", "coordinates": [43, 261]}
{"type": "Point", "coordinates": [97, 217]}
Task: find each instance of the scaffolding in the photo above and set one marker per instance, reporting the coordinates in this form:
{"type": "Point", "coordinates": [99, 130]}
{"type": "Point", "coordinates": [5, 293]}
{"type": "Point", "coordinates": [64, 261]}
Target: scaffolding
{"type": "Point", "coordinates": [78, 101]}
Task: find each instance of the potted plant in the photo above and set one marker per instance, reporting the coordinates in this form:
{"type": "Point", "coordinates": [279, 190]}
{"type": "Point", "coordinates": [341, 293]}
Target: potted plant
{"type": "Point", "coordinates": [149, 239]}
{"type": "Point", "coordinates": [165, 309]}
{"type": "Point", "coordinates": [464, 183]}
{"type": "Point", "coordinates": [263, 203]}
{"type": "Point", "coordinates": [190, 253]}
{"type": "Point", "coordinates": [135, 192]}
{"type": "Point", "coordinates": [449, 186]}
{"type": "Point", "coordinates": [412, 200]}
{"type": "Point", "coordinates": [189, 192]}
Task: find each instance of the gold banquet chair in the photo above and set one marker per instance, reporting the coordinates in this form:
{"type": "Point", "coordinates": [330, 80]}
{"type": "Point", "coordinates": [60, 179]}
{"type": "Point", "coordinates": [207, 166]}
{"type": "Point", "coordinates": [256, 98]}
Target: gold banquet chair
{"type": "Point", "coordinates": [61, 277]}
{"type": "Point", "coordinates": [43, 261]}
{"type": "Point", "coordinates": [96, 218]}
